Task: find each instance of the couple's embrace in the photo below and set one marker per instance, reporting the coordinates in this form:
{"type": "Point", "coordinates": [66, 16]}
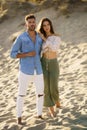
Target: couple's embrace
{"type": "Point", "coordinates": [38, 54]}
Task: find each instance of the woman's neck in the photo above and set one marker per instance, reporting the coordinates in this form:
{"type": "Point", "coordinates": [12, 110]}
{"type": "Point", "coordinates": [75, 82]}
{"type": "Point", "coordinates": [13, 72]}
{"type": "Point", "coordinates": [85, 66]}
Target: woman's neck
{"type": "Point", "coordinates": [49, 34]}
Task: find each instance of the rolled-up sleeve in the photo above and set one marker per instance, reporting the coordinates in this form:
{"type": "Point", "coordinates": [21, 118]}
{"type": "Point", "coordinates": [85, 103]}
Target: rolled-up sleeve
{"type": "Point", "coordinates": [16, 48]}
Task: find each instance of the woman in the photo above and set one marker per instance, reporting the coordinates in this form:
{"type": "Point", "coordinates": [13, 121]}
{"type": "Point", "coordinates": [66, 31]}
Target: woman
{"type": "Point", "coordinates": [50, 66]}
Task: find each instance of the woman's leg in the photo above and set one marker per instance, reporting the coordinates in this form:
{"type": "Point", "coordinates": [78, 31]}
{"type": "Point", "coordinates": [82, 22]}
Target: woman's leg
{"type": "Point", "coordinates": [54, 75]}
{"type": "Point", "coordinates": [47, 96]}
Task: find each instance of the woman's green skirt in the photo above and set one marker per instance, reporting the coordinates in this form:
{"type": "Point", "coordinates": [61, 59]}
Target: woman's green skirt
{"type": "Point", "coordinates": [51, 75]}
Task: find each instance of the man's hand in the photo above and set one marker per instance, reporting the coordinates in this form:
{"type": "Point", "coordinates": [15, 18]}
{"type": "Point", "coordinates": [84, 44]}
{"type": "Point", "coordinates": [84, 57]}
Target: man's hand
{"type": "Point", "coordinates": [33, 53]}
{"type": "Point", "coordinates": [23, 55]}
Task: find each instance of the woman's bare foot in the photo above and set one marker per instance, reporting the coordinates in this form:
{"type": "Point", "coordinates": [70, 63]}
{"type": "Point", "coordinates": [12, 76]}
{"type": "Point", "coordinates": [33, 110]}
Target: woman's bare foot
{"type": "Point", "coordinates": [58, 105]}
{"type": "Point", "coordinates": [52, 112]}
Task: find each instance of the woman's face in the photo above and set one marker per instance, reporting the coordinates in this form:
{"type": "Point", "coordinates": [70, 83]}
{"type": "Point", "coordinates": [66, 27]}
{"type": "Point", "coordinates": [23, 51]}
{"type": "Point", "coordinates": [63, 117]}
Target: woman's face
{"type": "Point", "coordinates": [46, 26]}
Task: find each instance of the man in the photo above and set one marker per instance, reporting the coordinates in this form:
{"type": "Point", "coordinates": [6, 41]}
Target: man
{"type": "Point", "coordinates": [27, 47]}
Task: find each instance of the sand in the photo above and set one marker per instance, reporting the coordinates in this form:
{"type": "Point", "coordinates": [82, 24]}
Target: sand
{"type": "Point", "coordinates": [72, 82]}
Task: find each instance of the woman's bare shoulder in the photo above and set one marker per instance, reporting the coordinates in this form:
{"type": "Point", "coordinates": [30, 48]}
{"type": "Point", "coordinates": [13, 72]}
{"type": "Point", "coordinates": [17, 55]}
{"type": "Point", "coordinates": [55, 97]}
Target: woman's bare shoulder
{"type": "Point", "coordinates": [57, 34]}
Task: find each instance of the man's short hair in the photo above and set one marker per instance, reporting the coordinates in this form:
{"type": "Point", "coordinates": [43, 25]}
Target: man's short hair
{"type": "Point", "coordinates": [29, 16]}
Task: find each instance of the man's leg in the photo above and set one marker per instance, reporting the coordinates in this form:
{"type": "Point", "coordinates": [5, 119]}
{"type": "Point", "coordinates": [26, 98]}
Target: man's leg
{"type": "Point", "coordinates": [23, 84]}
{"type": "Point", "coordinates": [39, 83]}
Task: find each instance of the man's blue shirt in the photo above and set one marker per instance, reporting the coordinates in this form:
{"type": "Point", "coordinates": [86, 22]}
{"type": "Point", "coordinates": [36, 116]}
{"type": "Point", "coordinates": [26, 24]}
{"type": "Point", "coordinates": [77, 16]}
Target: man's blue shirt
{"type": "Point", "coordinates": [24, 44]}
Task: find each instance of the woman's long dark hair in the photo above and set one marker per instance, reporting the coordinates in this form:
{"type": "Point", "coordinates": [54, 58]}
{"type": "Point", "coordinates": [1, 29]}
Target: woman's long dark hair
{"type": "Point", "coordinates": [41, 26]}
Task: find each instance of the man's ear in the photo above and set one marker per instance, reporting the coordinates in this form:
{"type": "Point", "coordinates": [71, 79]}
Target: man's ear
{"type": "Point", "coordinates": [25, 25]}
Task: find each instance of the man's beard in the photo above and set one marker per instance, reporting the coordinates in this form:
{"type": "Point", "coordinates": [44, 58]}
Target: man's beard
{"type": "Point", "coordinates": [32, 28]}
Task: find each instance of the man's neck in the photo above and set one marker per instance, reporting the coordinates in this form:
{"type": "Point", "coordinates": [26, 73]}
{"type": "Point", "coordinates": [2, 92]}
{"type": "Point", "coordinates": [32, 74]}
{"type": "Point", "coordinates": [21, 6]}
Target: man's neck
{"type": "Point", "coordinates": [32, 33]}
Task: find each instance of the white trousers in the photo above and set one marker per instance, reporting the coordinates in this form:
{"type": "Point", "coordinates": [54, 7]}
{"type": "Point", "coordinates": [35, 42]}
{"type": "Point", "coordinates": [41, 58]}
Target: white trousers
{"type": "Point", "coordinates": [24, 80]}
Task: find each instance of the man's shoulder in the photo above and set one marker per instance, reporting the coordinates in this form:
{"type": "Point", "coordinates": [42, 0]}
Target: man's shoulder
{"type": "Point", "coordinates": [39, 37]}
{"type": "Point", "coordinates": [38, 34]}
{"type": "Point", "coordinates": [22, 35]}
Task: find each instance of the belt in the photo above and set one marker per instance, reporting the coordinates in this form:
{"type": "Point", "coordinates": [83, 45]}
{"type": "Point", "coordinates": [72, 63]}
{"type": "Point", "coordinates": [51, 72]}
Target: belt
{"type": "Point", "coordinates": [50, 55]}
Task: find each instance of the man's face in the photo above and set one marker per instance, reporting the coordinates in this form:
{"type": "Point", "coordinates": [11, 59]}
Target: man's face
{"type": "Point", "coordinates": [31, 24]}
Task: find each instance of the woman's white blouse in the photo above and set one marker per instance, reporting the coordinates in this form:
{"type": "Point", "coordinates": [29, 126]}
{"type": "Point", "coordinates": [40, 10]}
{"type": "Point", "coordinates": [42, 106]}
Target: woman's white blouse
{"type": "Point", "coordinates": [52, 43]}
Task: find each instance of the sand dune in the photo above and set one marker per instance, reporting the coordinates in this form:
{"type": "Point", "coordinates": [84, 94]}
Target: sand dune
{"type": "Point", "coordinates": [72, 82]}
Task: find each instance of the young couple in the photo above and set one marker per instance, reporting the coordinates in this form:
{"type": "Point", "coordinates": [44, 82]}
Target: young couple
{"type": "Point", "coordinates": [29, 47]}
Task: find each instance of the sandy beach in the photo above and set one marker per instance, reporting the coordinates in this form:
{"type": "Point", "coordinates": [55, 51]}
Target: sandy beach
{"type": "Point", "coordinates": [72, 82]}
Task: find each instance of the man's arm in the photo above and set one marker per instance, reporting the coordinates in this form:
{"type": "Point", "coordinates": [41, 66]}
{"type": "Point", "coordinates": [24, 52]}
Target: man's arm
{"type": "Point", "coordinates": [23, 55]}
{"type": "Point", "coordinates": [15, 50]}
